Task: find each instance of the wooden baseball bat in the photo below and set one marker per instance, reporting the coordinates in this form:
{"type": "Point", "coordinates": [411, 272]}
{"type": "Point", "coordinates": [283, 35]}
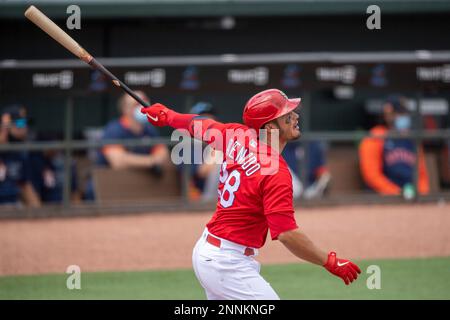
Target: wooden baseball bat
{"type": "Point", "coordinates": [49, 27]}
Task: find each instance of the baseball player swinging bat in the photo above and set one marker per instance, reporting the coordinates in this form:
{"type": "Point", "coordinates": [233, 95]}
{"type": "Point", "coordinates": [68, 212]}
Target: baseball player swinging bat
{"type": "Point", "coordinates": [254, 197]}
{"type": "Point", "coordinates": [49, 27]}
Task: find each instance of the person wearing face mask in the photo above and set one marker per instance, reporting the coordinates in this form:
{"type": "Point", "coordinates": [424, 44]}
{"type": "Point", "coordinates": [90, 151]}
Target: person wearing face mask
{"type": "Point", "coordinates": [15, 168]}
{"type": "Point", "coordinates": [387, 164]}
{"type": "Point", "coordinates": [131, 125]}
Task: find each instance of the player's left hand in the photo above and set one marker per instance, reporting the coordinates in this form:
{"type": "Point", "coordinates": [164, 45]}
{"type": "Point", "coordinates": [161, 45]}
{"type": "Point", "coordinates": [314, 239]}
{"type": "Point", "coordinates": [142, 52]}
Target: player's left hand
{"type": "Point", "coordinates": [344, 269]}
{"type": "Point", "coordinates": [157, 114]}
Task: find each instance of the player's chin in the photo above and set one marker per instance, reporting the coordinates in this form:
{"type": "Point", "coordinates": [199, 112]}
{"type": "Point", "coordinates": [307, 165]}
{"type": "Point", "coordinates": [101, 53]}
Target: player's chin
{"type": "Point", "coordinates": [296, 134]}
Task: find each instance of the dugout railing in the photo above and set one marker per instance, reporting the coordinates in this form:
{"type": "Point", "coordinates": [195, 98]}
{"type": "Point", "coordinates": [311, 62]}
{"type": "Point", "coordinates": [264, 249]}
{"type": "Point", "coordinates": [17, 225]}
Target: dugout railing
{"type": "Point", "coordinates": [435, 74]}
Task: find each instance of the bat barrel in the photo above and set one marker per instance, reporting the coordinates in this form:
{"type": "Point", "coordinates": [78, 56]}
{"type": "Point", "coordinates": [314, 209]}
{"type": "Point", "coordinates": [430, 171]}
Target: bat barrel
{"type": "Point", "coordinates": [49, 27]}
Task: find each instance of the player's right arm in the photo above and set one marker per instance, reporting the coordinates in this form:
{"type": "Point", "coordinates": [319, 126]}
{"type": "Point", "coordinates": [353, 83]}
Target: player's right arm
{"type": "Point", "coordinates": [301, 246]}
{"type": "Point", "coordinates": [279, 211]}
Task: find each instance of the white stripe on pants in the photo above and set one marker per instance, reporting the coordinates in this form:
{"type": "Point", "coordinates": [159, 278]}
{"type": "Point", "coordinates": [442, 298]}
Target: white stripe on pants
{"type": "Point", "coordinates": [227, 274]}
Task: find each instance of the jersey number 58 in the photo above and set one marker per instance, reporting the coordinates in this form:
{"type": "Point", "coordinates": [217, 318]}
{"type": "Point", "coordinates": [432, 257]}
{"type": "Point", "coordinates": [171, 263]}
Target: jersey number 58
{"type": "Point", "coordinates": [231, 183]}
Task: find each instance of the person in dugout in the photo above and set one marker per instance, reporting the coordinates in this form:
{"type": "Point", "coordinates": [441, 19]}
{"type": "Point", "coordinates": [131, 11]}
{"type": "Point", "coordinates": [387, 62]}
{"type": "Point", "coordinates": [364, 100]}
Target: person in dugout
{"type": "Point", "coordinates": [131, 125]}
{"type": "Point", "coordinates": [47, 176]}
{"type": "Point", "coordinates": [16, 188]}
{"type": "Point", "coordinates": [205, 175]}
{"type": "Point", "coordinates": [387, 164]}
{"type": "Point", "coordinates": [318, 176]}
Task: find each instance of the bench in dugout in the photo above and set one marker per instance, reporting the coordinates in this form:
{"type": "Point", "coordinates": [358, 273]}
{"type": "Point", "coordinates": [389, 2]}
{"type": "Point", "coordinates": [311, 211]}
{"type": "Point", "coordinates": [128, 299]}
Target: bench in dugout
{"type": "Point", "coordinates": [343, 163]}
{"type": "Point", "coordinates": [143, 185]}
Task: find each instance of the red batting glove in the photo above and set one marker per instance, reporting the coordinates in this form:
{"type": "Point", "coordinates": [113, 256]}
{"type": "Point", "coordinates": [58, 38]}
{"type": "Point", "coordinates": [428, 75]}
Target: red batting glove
{"type": "Point", "coordinates": [344, 269]}
{"type": "Point", "coordinates": [157, 114]}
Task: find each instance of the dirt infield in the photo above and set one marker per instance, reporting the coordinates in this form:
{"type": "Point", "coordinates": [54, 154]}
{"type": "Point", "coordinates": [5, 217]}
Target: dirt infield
{"type": "Point", "coordinates": [165, 241]}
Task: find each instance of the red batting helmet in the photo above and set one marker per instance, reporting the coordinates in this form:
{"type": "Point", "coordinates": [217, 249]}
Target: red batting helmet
{"type": "Point", "coordinates": [266, 106]}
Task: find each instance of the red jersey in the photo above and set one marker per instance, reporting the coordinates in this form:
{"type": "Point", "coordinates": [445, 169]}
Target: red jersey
{"type": "Point", "coordinates": [255, 188]}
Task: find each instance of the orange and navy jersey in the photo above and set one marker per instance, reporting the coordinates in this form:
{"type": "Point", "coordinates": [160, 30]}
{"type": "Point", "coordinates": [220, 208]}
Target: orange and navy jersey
{"type": "Point", "coordinates": [387, 164]}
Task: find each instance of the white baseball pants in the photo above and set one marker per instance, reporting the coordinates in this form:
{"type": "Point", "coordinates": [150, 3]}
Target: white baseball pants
{"type": "Point", "coordinates": [227, 274]}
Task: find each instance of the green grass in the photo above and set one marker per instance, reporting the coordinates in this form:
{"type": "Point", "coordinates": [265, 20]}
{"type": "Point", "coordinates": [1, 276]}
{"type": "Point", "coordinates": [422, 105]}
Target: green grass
{"type": "Point", "coordinates": [400, 279]}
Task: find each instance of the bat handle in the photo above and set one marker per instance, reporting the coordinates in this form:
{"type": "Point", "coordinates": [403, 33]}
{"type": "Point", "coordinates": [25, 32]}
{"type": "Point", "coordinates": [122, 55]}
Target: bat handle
{"type": "Point", "coordinates": [96, 65]}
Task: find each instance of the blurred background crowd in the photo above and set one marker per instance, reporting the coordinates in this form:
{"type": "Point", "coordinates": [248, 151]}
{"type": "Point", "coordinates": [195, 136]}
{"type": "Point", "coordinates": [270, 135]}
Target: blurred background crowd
{"type": "Point", "coordinates": [375, 119]}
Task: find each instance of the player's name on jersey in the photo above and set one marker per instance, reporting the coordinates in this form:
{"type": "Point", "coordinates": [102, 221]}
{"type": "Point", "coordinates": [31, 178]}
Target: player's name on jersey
{"type": "Point", "coordinates": [242, 156]}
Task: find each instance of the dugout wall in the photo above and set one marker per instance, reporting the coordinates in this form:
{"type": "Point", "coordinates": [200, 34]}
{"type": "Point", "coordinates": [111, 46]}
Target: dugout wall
{"type": "Point", "coordinates": [230, 79]}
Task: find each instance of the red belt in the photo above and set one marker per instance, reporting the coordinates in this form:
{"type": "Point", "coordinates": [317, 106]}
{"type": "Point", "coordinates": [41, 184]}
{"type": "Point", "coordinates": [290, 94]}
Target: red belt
{"type": "Point", "coordinates": [217, 242]}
